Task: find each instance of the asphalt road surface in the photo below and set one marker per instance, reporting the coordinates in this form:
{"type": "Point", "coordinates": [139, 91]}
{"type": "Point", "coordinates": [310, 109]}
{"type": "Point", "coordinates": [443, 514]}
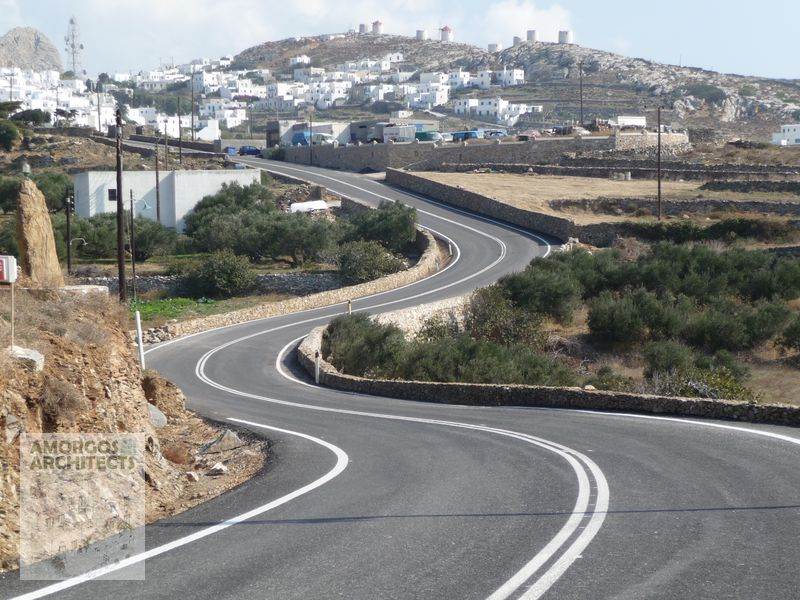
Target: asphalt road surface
{"type": "Point", "coordinates": [372, 498]}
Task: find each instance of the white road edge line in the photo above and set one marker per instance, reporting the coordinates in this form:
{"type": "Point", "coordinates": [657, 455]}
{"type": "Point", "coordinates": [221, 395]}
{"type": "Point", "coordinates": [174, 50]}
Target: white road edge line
{"type": "Point", "coordinates": [545, 554]}
{"type": "Point", "coordinates": [341, 464]}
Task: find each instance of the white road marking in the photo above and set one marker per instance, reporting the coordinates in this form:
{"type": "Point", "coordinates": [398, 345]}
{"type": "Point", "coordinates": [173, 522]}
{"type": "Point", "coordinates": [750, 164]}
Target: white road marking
{"type": "Point", "coordinates": [341, 464]}
{"type": "Point", "coordinates": [598, 512]}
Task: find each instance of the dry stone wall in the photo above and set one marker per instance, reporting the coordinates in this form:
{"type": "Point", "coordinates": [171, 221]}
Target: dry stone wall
{"type": "Point", "coordinates": [429, 156]}
{"type": "Point", "coordinates": [598, 234]}
{"type": "Point", "coordinates": [477, 394]}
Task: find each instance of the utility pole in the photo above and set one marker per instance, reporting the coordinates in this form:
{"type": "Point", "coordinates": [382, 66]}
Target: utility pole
{"type": "Point", "coordinates": [68, 207]}
{"type": "Point", "coordinates": [158, 186]}
{"type": "Point", "coordinates": [133, 251]}
{"type": "Point", "coordinates": [580, 74]}
{"type": "Point", "coordinates": [166, 148]}
{"type": "Point", "coordinates": [123, 293]}
{"type": "Point", "coordinates": [192, 88]}
{"type": "Point", "coordinates": [659, 163]}
{"type": "Point", "coordinates": [99, 125]}
{"type": "Point", "coordinates": [180, 133]}
{"type": "Point", "coordinates": [311, 137]}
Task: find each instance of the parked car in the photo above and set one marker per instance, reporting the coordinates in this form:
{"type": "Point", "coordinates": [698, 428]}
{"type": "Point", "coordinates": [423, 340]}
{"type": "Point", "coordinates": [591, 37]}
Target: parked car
{"type": "Point", "coordinates": [462, 136]}
{"type": "Point", "coordinates": [494, 133]}
{"type": "Point", "coordinates": [249, 151]}
{"type": "Point", "coordinates": [229, 150]}
{"type": "Point", "coordinates": [322, 139]}
{"type": "Point", "coordinates": [429, 136]}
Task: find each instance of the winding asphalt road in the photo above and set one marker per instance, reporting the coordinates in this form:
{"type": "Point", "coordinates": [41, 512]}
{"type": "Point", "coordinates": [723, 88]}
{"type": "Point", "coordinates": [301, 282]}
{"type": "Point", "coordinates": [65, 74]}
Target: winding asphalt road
{"type": "Point", "coordinates": [367, 497]}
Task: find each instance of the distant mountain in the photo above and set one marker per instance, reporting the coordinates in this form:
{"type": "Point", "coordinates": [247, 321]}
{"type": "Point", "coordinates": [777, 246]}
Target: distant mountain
{"type": "Point", "coordinates": [613, 84]}
{"type": "Point", "coordinates": [29, 48]}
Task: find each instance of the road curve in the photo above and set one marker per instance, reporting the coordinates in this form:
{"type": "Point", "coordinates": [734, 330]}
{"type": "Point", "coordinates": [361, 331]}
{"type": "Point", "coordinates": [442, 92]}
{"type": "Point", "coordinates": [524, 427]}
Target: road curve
{"type": "Point", "coordinates": [369, 497]}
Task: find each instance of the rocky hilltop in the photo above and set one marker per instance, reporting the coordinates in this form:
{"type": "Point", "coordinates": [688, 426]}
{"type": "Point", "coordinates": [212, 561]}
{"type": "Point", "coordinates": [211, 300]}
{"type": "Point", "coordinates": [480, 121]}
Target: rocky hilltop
{"type": "Point", "coordinates": [29, 48]}
{"type": "Point", "coordinates": [613, 83]}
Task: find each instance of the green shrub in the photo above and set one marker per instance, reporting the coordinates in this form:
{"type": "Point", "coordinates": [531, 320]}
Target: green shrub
{"type": "Point", "coordinates": [231, 199]}
{"type": "Point", "coordinates": [463, 358]}
{"type": "Point", "coordinates": [491, 316]}
{"type": "Point", "coordinates": [705, 91]}
{"type": "Point", "coordinates": [667, 357]}
{"type": "Point", "coordinates": [9, 190]}
{"type": "Point", "coordinates": [55, 186]}
{"type": "Point", "coordinates": [9, 134]}
{"type": "Point", "coordinates": [356, 345]}
{"type": "Point", "coordinates": [220, 275]}
{"type": "Point", "coordinates": [748, 90]}
{"type": "Point", "coordinates": [392, 224]}
{"type": "Point", "coordinates": [544, 289]}
{"type": "Point", "coordinates": [790, 339]}
{"type": "Point", "coordinates": [8, 237]}
{"type": "Point", "coordinates": [34, 116]}
{"type": "Point", "coordinates": [364, 261]}
{"type": "Point", "coordinates": [151, 238]}
{"type": "Point", "coordinates": [616, 320]}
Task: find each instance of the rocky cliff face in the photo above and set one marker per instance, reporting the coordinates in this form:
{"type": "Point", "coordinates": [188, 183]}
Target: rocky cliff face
{"type": "Point", "coordinates": [29, 48]}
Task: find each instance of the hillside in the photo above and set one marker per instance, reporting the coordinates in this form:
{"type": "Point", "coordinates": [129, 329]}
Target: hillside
{"type": "Point", "coordinates": [613, 83]}
{"type": "Point", "coordinates": [29, 48]}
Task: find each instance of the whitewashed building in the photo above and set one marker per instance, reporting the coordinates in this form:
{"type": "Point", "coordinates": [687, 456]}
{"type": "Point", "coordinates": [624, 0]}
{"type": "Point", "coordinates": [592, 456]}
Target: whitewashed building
{"type": "Point", "coordinates": [789, 135]}
{"type": "Point", "coordinates": [179, 191]}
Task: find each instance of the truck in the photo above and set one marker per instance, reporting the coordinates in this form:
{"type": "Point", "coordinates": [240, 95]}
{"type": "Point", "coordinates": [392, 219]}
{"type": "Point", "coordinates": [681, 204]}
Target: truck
{"type": "Point", "coordinates": [399, 133]}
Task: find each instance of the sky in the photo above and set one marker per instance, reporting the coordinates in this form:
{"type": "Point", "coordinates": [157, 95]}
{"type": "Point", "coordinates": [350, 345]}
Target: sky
{"type": "Point", "coordinates": [733, 36]}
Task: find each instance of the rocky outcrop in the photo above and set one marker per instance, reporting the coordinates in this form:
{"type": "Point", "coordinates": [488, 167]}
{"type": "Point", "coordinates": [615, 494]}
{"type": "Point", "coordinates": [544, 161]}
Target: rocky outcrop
{"type": "Point", "coordinates": [37, 246]}
{"type": "Point", "coordinates": [29, 48]}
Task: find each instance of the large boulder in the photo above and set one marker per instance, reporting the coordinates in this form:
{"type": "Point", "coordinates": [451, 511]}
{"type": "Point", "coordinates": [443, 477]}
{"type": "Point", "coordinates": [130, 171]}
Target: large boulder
{"type": "Point", "coordinates": [37, 246]}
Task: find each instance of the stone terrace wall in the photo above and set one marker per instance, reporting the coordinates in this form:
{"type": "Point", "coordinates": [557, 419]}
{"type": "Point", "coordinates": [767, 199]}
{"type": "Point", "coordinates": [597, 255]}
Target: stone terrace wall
{"type": "Point", "coordinates": [428, 156]}
{"type": "Point", "coordinates": [599, 234]}
{"type": "Point", "coordinates": [476, 394]}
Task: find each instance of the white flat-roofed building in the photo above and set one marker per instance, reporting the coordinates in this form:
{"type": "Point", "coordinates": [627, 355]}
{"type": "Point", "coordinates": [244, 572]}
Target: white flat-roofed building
{"type": "Point", "coordinates": [458, 79]}
{"type": "Point", "coordinates": [179, 191]}
{"type": "Point", "coordinates": [789, 135]}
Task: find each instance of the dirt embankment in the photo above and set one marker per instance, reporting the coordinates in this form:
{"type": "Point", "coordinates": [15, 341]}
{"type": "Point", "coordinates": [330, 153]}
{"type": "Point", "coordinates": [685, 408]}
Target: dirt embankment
{"type": "Point", "coordinates": [91, 383]}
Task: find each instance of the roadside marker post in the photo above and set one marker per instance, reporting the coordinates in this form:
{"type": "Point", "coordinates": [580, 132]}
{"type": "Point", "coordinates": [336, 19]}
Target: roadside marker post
{"type": "Point", "coordinates": [8, 274]}
{"type": "Point", "coordinates": [316, 367]}
{"type": "Point", "coordinates": [349, 307]}
{"type": "Point", "coordinates": [139, 341]}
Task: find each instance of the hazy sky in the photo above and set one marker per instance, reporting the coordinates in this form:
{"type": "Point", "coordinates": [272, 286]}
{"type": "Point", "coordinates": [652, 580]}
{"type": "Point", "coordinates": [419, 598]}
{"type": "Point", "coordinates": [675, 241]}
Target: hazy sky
{"type": "Point", "coordinates": [759, 38]}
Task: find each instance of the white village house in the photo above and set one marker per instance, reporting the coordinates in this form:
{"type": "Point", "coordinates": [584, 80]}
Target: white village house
{"type": "Point", "coordinates": [789, 135]}
{"type": "Point", "coordinates": [179, 191]}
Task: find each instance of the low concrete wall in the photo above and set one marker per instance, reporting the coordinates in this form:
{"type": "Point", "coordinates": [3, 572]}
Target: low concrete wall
{"type": "Point", "coordinates": [477, 394]}
{"type": "Point", "coordinates": [600, 234]}
{"type": "Point", "coordinates": [430, 261]}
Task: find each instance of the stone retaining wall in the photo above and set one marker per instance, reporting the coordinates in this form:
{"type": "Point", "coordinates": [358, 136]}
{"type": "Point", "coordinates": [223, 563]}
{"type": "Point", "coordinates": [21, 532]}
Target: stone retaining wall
{"type": "Point", "coordinates": [597, 234]}
{"type": "Point", "coordinates": [411, 320]}
{"type": "Point", "coordinates": [430, 261]}
{"type": "Point", "coordinates": [429, 156]}
{"type": "Point", "coordinates": [476, 394]}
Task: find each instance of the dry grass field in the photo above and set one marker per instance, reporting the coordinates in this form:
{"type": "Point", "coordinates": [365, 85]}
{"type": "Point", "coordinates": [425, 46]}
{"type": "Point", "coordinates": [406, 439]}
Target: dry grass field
{"type": "Point", "coordinates": [535, 192]}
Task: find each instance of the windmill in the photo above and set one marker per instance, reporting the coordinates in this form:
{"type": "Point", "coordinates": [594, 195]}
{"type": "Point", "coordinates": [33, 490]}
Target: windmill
{"type": "Point", "coordinates": [73, 46]}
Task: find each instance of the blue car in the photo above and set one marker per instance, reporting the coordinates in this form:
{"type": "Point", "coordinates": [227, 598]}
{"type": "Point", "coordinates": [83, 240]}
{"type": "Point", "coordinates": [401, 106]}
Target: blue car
{"type": "Point", "coordinates": [249, 151]}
